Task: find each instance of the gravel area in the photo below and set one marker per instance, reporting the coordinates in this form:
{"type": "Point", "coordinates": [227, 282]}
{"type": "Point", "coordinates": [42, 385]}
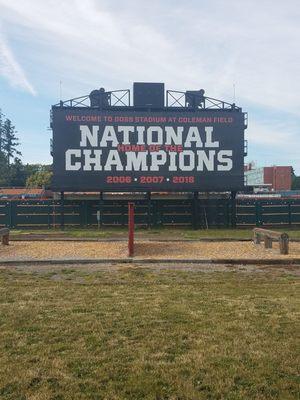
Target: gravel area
{"type": "Point", "coordinates": [143, 249]}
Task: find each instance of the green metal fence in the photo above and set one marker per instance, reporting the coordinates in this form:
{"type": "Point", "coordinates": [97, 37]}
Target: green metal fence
{"type": "Point", "coordinates": [197, 213]}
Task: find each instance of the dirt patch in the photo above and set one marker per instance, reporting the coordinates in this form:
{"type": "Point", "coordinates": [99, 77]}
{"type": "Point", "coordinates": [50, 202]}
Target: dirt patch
{"type": "Point", "coordinates": [57, 270]}
{"type": "Point", "coordinates": [143, 249]}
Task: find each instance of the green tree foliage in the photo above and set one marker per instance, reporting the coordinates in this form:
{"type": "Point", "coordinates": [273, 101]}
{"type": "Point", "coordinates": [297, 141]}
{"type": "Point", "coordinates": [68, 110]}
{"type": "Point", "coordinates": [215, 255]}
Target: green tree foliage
{"type": "Point", "coordinates": [4, 170]}
{"type": "Point", "coordinates": [296, 183]}
{"type": "Point", "coordinates": [10, 174]}
{"type": "Point", "coordinates": [17, 173]}
{"type": "Point", "coordinates": [1, 131]}
{"type": "Point", "coordinates": [10, 140]}
{"type": "Point", "coordinates": [40, 179]}
{"type": "Point", "coordinates": [33, 168]}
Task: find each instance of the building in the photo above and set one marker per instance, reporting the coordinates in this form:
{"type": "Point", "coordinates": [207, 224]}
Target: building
{"type": "Point", "coordinates": [275, 178]}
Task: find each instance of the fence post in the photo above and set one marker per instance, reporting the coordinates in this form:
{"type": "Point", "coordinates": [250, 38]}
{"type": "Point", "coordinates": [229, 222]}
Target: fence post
{"type": "Point", "coordinates": [289, 213]}
{"type": "Point", "coordinates": [226, 220]}
{"type": "Point", "coordinates": [284, 244]}
{"type": "Point", "coordinates": [155, 213]}
{"type": "Point", "coordinates": [85, 221]}
{"type": "Point", "coordinates": [81, 213]}
{"type": "Point", "coordinates": [217, 217]}
{"type": "Point", "coordinates": [54, 213]}
{"type": "Point", "coordinates": [233, 209]}
{"type": "Point", "coordinates": [261, 215]}
{"type": "Point", "coordinates": [10, 214]}
{"type": "Point", "coordinates": [13, 222]}
{"type": "Point", "coordinates": [49, 215]}
{"type": "Point", "coordinates": [160, 213]}
{"type": "Point", "coordinates": [195, 211]}
{"type": "Point", "coordinates": [130, 229]}
{"type": "Point", "coordinates": [62, 211]}
{"type": "Point", "coordinates": [124, 217]}
{"type": "Point", "coordinates": [148, 210]}
{"type": "Point", "coordinates": [268, 242]}
{"type": "Point", "coordinates": [258, 221]}
{"type": "Point", "coordinates": [101, 208]}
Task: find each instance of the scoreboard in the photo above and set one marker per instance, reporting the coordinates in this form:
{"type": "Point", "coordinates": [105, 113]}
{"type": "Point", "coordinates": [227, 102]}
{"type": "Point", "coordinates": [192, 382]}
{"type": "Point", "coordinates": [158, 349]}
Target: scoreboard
{"type": "Point", "coordinates": [132, 150]}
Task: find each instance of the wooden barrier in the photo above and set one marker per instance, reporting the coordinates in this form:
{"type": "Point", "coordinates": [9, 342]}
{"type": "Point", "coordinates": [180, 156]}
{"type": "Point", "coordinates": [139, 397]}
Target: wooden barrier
{"type": "Point", "coordinates": [153, 211]}
{"type": "Point", "coordinates": [268, 236]}
{"type": "Point", "coordinates": [4, 235]}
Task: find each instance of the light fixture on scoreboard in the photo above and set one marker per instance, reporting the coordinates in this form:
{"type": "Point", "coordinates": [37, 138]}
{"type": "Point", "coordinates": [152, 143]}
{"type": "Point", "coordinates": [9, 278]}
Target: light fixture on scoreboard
{"type": "Point", "coordinates": [195, 98]}
{"type": "Point", "coordinates": [100, 98]}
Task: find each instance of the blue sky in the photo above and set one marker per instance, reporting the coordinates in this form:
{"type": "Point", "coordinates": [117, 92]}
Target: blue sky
{"type": "Point", "coordinates": [214, 45]}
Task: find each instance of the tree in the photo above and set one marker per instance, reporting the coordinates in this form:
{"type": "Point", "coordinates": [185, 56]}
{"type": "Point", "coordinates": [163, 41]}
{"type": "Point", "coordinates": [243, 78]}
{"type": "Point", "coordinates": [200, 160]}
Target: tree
{"type": "Point", "coordinates": [1, 131]}
{"type": "Point", "coordinates": [10, 142]}
{"type": "Point", "coordinates": [296, 182]}
{"type": "Point", "coordinates": [33, 168]}
{"type": "Point", "coordinates": [39, 179]}
{"type": "Point", "coordinates": [13, 174]}
{"type": "Point", "coordinates": [17, 173]}
{"type": "Point", "coordinates": [4, 170]}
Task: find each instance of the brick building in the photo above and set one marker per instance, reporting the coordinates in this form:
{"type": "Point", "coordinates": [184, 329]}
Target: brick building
{"type": "Point", "coordinates": [274, 178]}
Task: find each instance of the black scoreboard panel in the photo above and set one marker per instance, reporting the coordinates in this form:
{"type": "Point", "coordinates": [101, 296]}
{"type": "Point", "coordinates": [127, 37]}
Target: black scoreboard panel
{"type": "Point", "coordinates": [150, 95]}
{"type": "Point", "coordinates": [147, 151]}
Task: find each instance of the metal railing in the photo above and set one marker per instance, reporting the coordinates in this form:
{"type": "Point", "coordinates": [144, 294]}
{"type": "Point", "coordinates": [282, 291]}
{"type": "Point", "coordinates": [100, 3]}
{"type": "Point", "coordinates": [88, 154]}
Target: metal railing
{"type": "Point", "coordinates": [115, 98]}
{"type": "Point", "coordinates": [196, 100]}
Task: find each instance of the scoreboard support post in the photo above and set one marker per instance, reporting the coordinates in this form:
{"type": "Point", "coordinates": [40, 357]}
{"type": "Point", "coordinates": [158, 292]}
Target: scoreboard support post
{"type": "Point", "coordinates": [130, 229]}
{"type": "Point", "coordinates": [62, 211]}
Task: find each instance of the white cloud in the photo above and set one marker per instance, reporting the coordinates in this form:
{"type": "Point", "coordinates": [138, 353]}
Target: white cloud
{"type": "Point", "coordinates": [11, 70]}
{"type": "Point", "coordinates": [199, 44]}
{"type": "Point", "coordinates": [187, 45]}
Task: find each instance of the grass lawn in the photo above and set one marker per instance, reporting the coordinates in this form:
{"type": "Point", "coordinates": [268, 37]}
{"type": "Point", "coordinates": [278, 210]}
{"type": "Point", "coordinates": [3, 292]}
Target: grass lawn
{"type": "Point", "coordinates": [69, 334]}
{"type": "Point", "coordinates": [173, 232]}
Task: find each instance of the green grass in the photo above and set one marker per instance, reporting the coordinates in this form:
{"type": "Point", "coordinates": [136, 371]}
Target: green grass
{"type": "Point", "coordinates": [179, 233]}
{"type": "Point", "coordinates": [145, 334]}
